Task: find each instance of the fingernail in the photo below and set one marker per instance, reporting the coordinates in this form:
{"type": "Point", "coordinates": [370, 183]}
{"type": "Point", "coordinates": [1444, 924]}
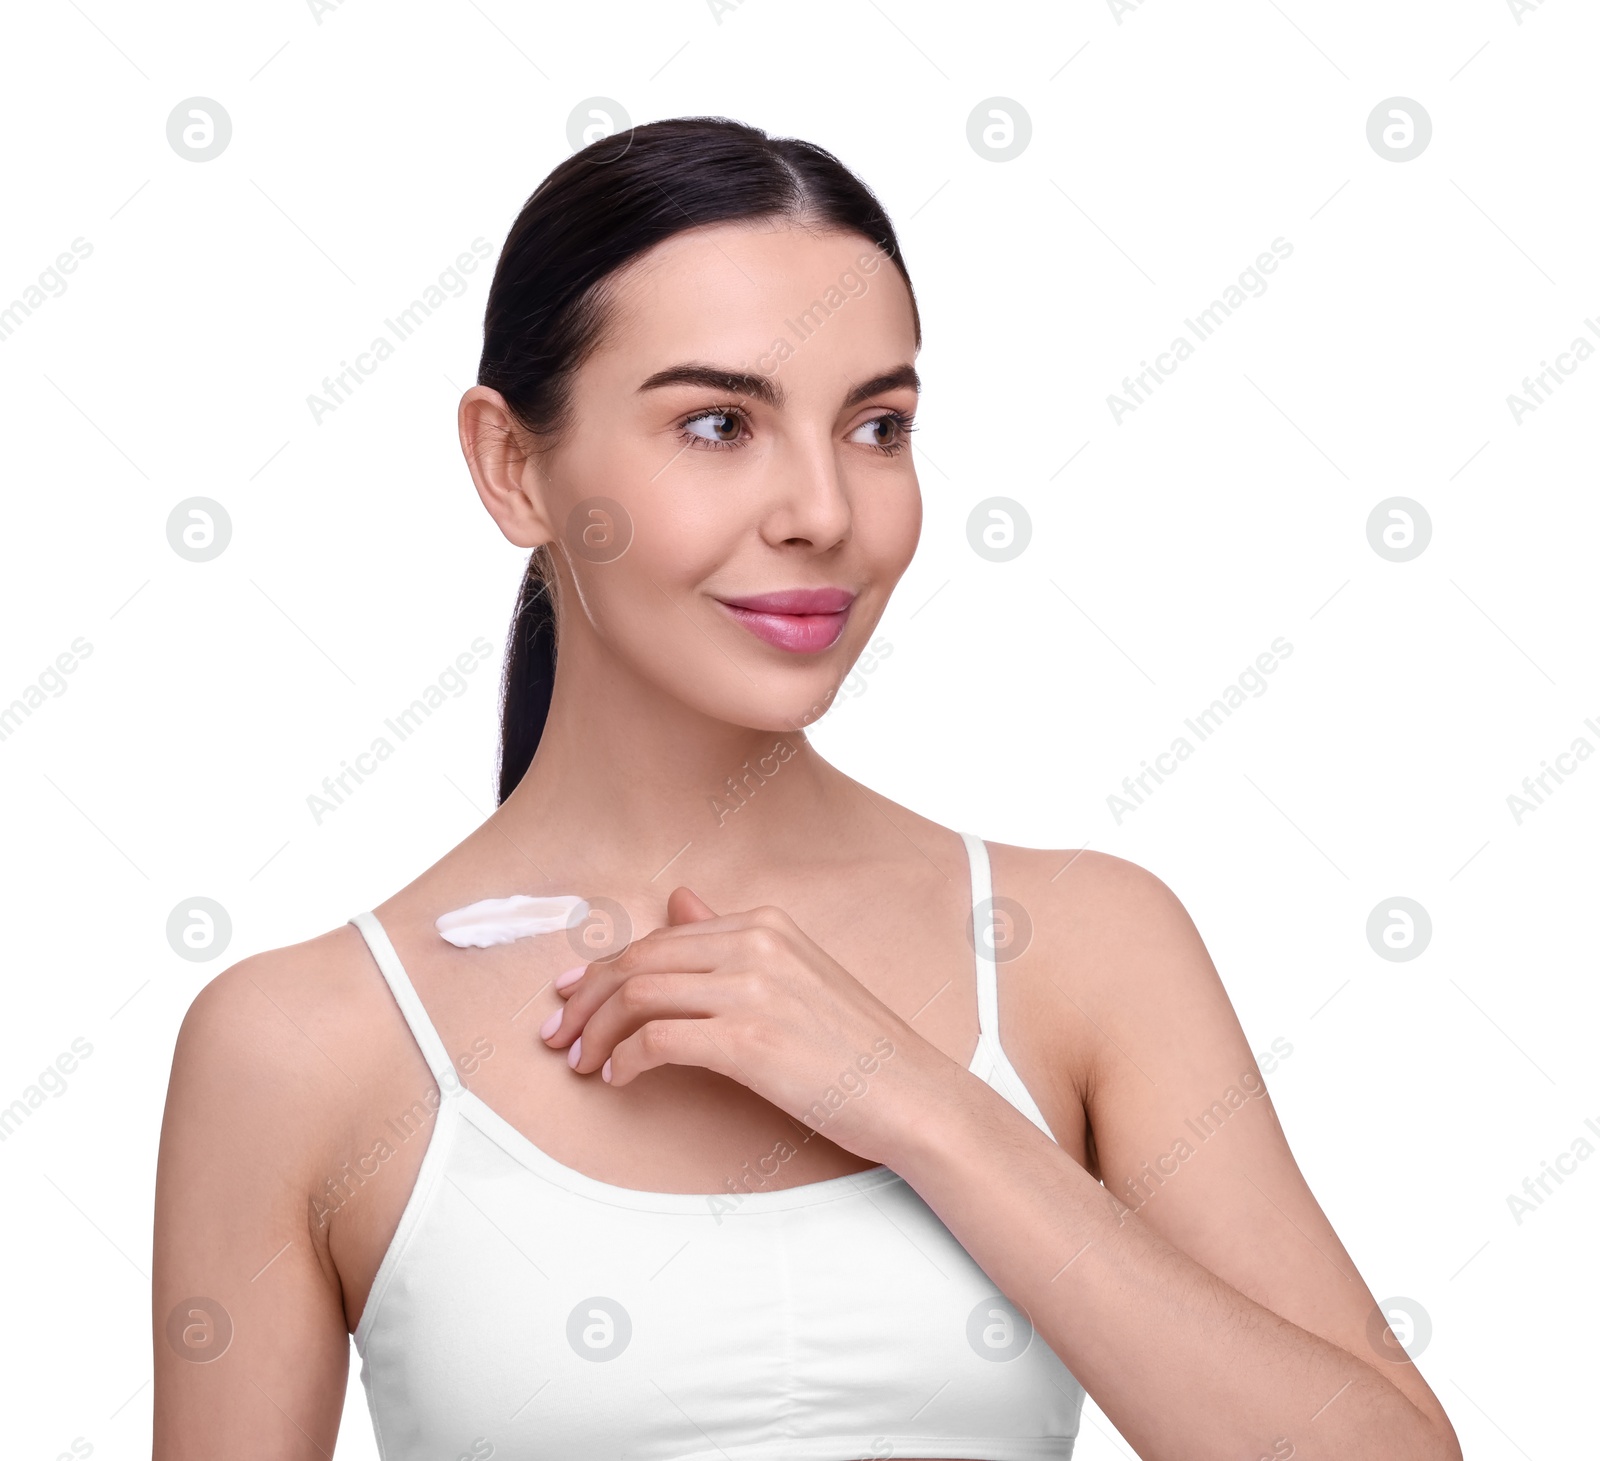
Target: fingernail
{"type": "Point", "coordinates": [563, 980]}
{"type": "Point", "coordinates": [605, 1070]}
{"type": "Point", "coordinates": [551, 1025]}
{"type": "Point", "coordinates": [576, 1053]}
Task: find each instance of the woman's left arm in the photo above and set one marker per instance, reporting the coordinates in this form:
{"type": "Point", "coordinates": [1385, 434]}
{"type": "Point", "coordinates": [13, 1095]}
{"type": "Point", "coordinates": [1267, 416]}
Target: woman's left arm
{"type": "Point", "coordinates": [1211, 1311]}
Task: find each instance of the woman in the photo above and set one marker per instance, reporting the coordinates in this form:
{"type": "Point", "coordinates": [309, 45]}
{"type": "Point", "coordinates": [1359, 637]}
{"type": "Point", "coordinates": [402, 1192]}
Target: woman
{"type": "Point", "coordinates": [790, 1143]}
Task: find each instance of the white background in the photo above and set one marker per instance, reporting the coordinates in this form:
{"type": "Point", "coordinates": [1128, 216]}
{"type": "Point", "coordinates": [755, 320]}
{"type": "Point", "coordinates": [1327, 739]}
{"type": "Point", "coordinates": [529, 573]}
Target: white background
{"type": "Point", "coordinates": [1169, 148]}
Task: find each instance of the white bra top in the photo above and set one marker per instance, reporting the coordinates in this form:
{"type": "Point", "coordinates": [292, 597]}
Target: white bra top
{"type": "Point", "coordinates": [524, 1310]}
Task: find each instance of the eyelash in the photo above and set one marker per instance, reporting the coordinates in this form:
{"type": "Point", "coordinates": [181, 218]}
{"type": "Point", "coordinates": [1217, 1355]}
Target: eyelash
{"type": "Point", "coordinates": [904, 424]}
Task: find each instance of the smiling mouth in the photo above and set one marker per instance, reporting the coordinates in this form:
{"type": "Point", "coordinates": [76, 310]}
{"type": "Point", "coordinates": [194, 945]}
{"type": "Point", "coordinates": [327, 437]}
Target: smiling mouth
{"type": "Point", "coordinates": [801, 621]}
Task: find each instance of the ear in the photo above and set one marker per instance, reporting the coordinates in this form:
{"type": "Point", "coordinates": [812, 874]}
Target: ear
{"type": "Point", "coordinates": [505, 468]}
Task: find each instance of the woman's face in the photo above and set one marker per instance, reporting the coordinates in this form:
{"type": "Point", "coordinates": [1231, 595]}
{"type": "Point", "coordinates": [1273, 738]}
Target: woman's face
{"type": "Point", "coordinates": [741, 432]}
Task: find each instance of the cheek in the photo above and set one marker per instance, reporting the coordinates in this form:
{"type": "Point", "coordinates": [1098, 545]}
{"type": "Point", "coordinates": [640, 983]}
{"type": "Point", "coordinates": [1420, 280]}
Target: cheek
{"type": "Point", "coordinates": [888, 523]}
{"type": "Point", "coordinates": [623, 525]}
{"type": "Point", "coordinates": [606, 483]}
{"type": "Point", "coordinates": [667, 549]}
{"type": "Point", "coordinates": [677, 548]}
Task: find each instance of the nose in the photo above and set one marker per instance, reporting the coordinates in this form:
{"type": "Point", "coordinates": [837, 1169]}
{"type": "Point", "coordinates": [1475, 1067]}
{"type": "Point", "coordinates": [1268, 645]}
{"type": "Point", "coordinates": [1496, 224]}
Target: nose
{"type": "Point", "coordinates": [808, 502]}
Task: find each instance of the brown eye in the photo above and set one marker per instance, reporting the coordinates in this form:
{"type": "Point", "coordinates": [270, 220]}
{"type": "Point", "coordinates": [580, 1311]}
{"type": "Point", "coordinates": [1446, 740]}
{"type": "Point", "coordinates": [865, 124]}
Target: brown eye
{"type": "Point", "coordinates": [887, 432]}
{"type": "Point", "coordinates": [721, 427]}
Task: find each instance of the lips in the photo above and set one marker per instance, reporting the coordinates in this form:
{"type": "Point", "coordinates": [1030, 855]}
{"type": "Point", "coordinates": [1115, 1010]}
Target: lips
{"type": "Point", "coordinates": [800, 620]}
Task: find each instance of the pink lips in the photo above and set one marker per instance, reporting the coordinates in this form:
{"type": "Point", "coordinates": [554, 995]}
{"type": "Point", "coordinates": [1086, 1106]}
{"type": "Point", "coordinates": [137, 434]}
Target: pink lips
{"type": "Point", "coordinates": [801, 620]}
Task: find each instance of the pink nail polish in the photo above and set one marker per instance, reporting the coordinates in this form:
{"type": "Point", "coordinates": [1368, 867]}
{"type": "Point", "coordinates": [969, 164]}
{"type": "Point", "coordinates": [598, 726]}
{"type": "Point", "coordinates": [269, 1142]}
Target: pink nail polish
{"type": "Point", "coordinates": [605, 1070]}
{"type": "Point", "coordinates": [551, 1025]}
{"type": "Point", "coordinates": [575, 1054]}
{"type": "Point", "coordinates": [563, 980]}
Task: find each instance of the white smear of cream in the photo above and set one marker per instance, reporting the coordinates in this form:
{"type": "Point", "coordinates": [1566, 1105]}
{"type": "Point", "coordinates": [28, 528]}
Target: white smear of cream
{"type": "Point", "coordinates": [501, 920]}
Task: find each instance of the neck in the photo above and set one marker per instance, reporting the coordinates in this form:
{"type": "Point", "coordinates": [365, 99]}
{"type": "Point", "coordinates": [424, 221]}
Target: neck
{"type": "Point", "coordinates": [628, 777]}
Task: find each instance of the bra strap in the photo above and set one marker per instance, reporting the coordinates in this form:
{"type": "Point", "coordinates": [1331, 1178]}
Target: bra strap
{"type": "Point", "coordinates": [405, 995]}
{"type": "Point", "coordinates": [983, 934]}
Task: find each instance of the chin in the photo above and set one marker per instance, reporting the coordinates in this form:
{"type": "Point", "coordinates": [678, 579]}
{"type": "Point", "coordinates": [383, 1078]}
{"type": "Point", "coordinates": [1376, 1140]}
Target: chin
{"type": "Point", "coordinates": [788, 716]}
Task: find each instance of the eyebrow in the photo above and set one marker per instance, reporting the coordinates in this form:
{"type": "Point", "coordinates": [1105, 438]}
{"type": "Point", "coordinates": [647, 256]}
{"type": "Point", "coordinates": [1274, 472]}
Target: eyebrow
{"type": "Point", "coordinates": [762, 388]}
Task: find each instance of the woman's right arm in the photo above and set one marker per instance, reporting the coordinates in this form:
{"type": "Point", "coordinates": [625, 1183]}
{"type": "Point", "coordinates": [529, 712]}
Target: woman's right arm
{"type": "Point", "coordinates": [251, 1344]}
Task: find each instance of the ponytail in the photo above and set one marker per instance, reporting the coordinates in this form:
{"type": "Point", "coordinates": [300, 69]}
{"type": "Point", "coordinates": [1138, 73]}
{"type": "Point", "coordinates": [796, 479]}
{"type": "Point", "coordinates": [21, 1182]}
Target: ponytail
{"type": "Point", "coordinates": [530, 670]}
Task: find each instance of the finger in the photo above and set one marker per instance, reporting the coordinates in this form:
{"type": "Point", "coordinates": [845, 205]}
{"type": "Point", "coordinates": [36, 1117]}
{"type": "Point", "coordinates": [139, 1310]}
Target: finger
{"type": "Point", "coordinates": [568, 983]}
{"type": "Point", "coordinates": [684, 905]}
{"type": "Point", "coordinates": [638, 1001]}
{"type": "Point", "coordinates": [583, 994]}
{"type": "Point", "coordinates": [672, 1042]}
{"type": "Point", "coordinates": [737, 945]}
{"type": "Point", "coordinates": [699, 948]}
{"type": "Point", "coordinates": [763, 916]}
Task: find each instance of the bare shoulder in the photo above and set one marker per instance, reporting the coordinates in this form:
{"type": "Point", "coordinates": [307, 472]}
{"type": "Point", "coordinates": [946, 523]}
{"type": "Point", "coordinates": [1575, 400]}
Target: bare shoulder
{"type": "Point", "coordinates": [271, 1062]}
{"type": "Point", "coordinates": [1104, 927]}
{"type": "Point", "coordinates": [1099, 947]}
{"type": "Point", "coordinates": [1115, 939]}
{"type": "Point", "coordinates": [278, 1047]}
{"type": "Point", "coordinates": [286, 1012]}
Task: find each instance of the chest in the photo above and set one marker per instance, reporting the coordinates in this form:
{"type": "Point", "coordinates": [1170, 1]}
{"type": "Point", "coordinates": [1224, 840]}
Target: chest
{"type": "Point", "coordinates": [680, 1130]}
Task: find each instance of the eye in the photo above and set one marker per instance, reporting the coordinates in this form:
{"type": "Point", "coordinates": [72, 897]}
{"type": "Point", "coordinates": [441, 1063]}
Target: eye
{"type": "Point", "coordinates": [717, 428]}
{"type": "Point", "coordinates": [889, 433]}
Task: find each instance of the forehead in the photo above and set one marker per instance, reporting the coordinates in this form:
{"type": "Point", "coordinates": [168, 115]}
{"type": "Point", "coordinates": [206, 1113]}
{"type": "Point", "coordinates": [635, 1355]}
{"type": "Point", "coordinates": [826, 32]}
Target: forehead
{"type": "Point", "coordinates": [726, 293]}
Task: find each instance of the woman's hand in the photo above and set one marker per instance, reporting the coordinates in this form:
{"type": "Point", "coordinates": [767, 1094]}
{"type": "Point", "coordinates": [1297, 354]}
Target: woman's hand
{"type": "Point", "coordinates": [750, 996]}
